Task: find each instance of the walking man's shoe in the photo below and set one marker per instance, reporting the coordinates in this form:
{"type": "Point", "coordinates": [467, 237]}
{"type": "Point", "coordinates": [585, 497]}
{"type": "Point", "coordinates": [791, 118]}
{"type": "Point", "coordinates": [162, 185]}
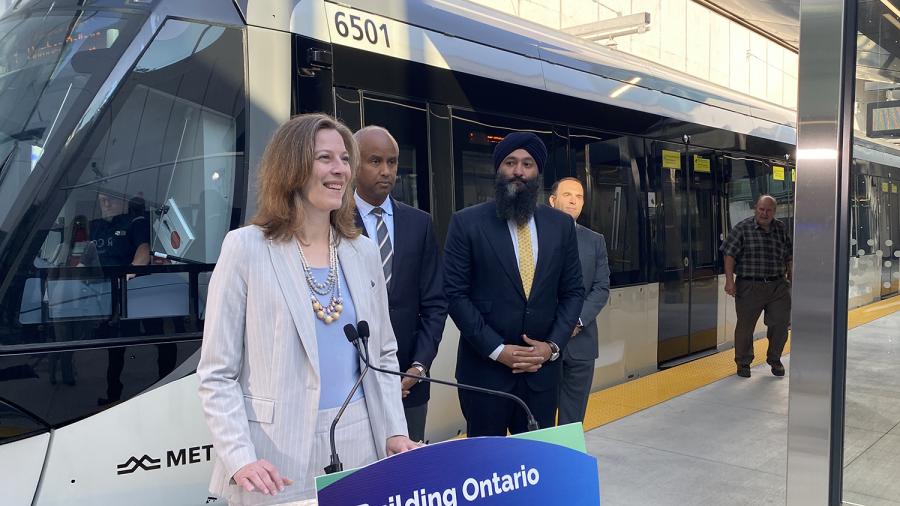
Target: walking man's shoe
{"type": "Point", "coordinates": [744, 371]}
{"type": "Point", "coordinates": [777, 368]}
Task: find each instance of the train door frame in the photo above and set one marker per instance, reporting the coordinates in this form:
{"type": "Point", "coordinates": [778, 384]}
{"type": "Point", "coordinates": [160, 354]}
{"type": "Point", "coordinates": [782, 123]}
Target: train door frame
{"type": "Point", "coordinates": [704, 247]}
{"type": "Point", "coordinates": [887, 223]}
{"type": "Point", "coordinates": [891, 256]}
{"type": "Point", "coordinates": [349, 105]}
{"type": "Point", "coordinates": [679, 285]}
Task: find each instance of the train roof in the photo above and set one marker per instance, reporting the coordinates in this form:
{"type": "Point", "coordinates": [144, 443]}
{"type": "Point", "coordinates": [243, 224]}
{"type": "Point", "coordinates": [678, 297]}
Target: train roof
{"type": "Point", "coordinates": [517, 50]}
{"type": "Point", "coordinates": [496, 29]}
{"type": "Point", "coordinates": [654, 86]}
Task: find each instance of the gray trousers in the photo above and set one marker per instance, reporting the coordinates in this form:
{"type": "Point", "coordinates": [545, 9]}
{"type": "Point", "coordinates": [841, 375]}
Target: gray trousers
{"type": "Point", "coordinates": [574, 389]}
{"type": "Point", "coordinates": [751, 299]}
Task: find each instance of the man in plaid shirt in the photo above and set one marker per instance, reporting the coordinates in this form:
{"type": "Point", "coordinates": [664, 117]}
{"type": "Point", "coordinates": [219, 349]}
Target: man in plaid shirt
{"type": "Point", "coordinates": [758, 251]}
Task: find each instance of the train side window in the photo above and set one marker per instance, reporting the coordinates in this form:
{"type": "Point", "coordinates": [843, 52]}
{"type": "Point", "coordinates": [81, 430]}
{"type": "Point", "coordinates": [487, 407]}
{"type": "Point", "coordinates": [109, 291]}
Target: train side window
{"type": "Point", "coordinates": [407, 122]}
{"type": "Point", "coordinates": [862, 214]}
{"type": "Point", "coordinates": [703, 200]}
{"type": "Point", "coordinates": [745, 180]}
{"type": "Point", "coordinates": [18, 424]}
{"type": "Point", "coordinates": [346, 107]}
{"type": "Point", "coordinates": [157, 175]}
{"type": "Point", "coordinates": [608, 167]}
{"type": "Point", "coordinates": [474, 138]}
{"type": "Point", "coordinates": [781, 186]}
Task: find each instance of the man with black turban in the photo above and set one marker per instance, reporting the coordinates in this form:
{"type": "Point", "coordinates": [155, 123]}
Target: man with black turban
{"type": "Point", "coordinates": [513, 283]}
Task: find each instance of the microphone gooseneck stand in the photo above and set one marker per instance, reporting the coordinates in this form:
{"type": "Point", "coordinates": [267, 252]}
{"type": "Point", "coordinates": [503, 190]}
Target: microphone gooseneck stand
{"type": "Point", "coordinates": [360, 339]}
{"type": "Point", "coordinates": [336, 464]}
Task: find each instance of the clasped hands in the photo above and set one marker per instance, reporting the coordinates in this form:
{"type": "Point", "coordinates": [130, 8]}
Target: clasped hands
{"type": "Point", "coordinates": [525, 358]}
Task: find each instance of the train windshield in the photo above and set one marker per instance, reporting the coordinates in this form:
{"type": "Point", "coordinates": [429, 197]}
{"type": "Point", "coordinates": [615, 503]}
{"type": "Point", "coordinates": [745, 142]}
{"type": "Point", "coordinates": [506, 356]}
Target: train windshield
{"type": "Point", "coordinates": [52, 57]}
{"type": "Point", "coordinates": [104, 175]}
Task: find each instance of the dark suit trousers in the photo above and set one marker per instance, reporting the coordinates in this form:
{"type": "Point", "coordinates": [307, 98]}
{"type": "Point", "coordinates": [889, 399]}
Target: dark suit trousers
{"type": "Point", "coordinates": [489, 415]}
{"type": "Point", "coordinates": [574, 389]}
{"type": "Point", "coordinates": [415, 421]}
{"type": "Point", "coordinates": [751, 299]}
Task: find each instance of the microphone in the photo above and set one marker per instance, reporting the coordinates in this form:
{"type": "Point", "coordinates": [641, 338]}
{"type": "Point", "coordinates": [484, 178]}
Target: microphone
{"type": "Point", "coordinates": [336, 464]}
{"type": "Point", "coordinates": [361, 340]}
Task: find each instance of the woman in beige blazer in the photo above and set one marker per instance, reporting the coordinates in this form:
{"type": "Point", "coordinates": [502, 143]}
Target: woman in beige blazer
{"type": "Point", "coordinates": [274, 364]}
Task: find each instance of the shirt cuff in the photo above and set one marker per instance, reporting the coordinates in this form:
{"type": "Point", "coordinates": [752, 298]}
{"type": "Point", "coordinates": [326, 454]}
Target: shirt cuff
{"type": "Point", "coordinates": [496, 353]}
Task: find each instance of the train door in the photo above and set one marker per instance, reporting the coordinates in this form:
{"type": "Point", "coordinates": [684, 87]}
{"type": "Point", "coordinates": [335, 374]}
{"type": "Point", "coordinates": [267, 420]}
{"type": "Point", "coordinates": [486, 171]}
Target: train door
{"type": "Point", "coordinates": [422, 132]}
{"type": "Point", "coordinates": [688, 252]}
{"type": "Point", "coordinates": [886, 215]}
{"type": "Point", "coordinates": [703, 251]}
{"type": "Point", "coordinates": [891, 247]}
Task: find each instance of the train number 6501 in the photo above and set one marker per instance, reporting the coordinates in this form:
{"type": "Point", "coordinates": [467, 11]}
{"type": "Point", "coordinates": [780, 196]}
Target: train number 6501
{"type": "Point", "coordinates": [362, 29]}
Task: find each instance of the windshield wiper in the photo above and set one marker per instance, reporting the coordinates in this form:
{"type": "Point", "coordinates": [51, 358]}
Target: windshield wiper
{"type": "Point", "coordinates": [6, 161]}
{"type": "Point", "coordinates": [29, 135]}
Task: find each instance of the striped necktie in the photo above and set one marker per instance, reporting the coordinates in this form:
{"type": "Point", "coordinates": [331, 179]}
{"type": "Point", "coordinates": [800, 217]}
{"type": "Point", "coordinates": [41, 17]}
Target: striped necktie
{"type": "Point", "coordinates": [526, 257]}
{"type": "Point", "coordinates": [384, 244]}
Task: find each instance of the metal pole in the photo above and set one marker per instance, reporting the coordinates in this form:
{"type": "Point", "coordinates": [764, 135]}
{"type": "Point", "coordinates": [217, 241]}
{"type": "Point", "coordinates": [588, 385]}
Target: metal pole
{"type": "Point", "coordinates": [819, 317]}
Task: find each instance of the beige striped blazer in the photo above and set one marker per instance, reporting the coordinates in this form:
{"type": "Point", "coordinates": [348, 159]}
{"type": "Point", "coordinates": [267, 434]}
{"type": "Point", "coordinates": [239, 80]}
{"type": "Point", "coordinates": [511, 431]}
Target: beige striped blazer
{"type": "Point", "coordinates": [259, 364]}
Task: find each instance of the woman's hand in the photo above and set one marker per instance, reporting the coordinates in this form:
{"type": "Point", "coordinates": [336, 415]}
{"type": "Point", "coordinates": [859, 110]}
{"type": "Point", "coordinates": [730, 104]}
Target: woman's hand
{"type": "Point", "coordinates": [261, 476]}
{"type": "Point", "coordinates": [400, 444]}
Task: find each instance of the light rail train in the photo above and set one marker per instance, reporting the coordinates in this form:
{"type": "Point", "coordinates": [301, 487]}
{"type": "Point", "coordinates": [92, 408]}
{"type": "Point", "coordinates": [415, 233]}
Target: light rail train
{"type": "Point", "coordinates": [155, 113]}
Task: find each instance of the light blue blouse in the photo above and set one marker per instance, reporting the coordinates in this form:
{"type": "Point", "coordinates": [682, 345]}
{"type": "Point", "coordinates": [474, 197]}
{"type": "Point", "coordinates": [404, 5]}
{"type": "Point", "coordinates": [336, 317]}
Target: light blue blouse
{"type": "Point", "coordinates": [338, 359]}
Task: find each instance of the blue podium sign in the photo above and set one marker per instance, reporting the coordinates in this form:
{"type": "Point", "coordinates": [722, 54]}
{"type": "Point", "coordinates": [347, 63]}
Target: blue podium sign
{"type": "Point", "coordinates": [486, 471]}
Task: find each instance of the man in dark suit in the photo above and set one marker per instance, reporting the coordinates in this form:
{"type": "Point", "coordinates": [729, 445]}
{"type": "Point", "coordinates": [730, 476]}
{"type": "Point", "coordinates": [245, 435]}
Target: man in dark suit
{"type": "Point", "coordinates": [411, 264]}
{"type": "Point", "coordinates": [513, 282]}
{"type": "Point", "coordinates": [578, 358]}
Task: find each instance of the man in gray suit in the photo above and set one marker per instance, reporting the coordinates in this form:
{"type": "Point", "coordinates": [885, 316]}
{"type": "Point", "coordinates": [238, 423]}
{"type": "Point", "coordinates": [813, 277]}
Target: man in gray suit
{"type": "Point", "coordinates": [578, 356]}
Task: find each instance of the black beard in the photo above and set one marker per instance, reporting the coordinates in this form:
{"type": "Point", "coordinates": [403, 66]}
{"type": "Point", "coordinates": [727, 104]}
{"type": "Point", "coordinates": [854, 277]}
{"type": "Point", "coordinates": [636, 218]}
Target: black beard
{"type": "Point", "coordinates": [516, 205]}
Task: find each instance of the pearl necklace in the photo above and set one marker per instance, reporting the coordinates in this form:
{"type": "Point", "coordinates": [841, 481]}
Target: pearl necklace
{"type": "Point", "coordinates": [331, 285]}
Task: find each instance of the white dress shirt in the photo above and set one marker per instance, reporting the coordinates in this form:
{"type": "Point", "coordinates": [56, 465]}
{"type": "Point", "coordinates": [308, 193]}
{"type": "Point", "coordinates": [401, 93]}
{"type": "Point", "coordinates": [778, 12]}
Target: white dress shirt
{"type": "Point", "coordinates": [513, 228]}
{"type": "Point", "coordinates": [370, 221]}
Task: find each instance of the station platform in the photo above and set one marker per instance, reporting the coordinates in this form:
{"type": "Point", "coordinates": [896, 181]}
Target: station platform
{"type": "Point", "coordinates": [699, 434]}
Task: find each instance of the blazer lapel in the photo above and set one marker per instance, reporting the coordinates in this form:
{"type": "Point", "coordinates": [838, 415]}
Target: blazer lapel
{"type": "Point", "coordinates": [544, 243]}
{"type": "Point", "coordinates": [497, 234]}
{"type": "Point", "coordinates": [358, 281]}
{"type": "Point", "coordinates": [359, 222]}
{"type": "Point", "coordinates": [587, 254]}
{"type": "Point", "coordinates": [292, 280]}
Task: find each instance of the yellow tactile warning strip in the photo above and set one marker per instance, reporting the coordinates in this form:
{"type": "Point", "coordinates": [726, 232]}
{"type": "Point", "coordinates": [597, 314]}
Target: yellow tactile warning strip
{"type": "Point", "coordinates": [622, 400]}
{"type": "Point", "coordinates": [872, 312]}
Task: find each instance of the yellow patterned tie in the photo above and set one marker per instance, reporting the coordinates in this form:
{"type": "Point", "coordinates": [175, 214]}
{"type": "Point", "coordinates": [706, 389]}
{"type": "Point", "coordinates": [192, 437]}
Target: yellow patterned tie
{"type": "Point", "coordinates": [526, 257]}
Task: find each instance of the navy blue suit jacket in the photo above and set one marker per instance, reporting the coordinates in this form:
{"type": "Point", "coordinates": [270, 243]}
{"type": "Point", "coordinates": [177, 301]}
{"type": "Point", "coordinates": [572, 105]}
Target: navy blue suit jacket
{"type": "Point", "coordinates": [487, 300]}
{"type": "Point", "coordinates": [416, 299]}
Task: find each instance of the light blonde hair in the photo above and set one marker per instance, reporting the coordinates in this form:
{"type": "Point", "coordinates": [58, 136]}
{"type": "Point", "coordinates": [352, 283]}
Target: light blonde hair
{"type": "Point", "coordinates": [286, 168]}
